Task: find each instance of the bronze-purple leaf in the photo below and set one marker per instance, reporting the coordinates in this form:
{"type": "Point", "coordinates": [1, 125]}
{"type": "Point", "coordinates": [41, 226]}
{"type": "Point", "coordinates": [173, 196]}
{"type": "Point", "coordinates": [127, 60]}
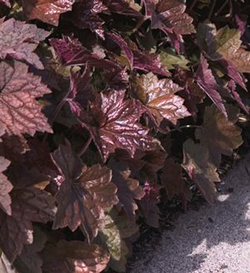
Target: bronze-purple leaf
{"type": "Point", "coordinates": [159, 97]}
{"type": "Point", "coordinates": [47, 11]}
{"type": "Point", "coordinates": [115, 125]}
{"type": "Point", "coordinates": [84, 193]}
{"type": "Point", "coordinates": [128, 188]}
{"type": "Point", "coordinates": [20, 113]}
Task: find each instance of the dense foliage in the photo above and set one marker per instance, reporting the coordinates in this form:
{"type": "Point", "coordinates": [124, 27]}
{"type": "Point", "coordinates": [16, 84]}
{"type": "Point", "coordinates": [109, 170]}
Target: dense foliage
{"type": "Point", "coordinates": [104, 106]}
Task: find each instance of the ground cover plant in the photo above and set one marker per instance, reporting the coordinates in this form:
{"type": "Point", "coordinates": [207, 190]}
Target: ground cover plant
{"type": "Point", "coordinates": [107, 106]}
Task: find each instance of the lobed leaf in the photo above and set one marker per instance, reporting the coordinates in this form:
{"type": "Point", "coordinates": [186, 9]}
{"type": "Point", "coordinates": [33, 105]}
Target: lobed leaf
{"type": "Point", "coordinates": [115, 125]}
{"type": "Point", "coordinates": [19, 41]}
{"type": "Point", "coordinates": [84, 193]}
{"type": "Point", "coordinates": [158, 96]}
{"type": "Point", "coordinates": [20, 112]}
{"type": "Point", "coordinates": [128, 188]}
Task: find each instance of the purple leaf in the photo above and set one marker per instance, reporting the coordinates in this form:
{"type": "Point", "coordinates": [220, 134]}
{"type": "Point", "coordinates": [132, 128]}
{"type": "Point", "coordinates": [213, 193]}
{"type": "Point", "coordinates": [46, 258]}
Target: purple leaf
{"type": "Point", "coordinates": [170, 17]}
{"type": "Point", "coordinates": [85, 15]}
{"type": "Point", "coordinates": [114, 125]}
{"type": "Point", "coordinates": [19, 41]}
{"type": "Point", "coordinates": [206, 81]}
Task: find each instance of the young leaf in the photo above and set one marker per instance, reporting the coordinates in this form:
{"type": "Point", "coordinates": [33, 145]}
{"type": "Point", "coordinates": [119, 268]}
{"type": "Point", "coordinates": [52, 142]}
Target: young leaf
{"type": "Point", "coordinates": [116, 246]}
{"type": "Point", "coordinates": [115, 125]}
{"type": "Point", "coordinates": [19, 41]}
{"type": "Point", "coordinates": [47, 11]}
{"type": "Point", "coordinates": [84, 193]}
{"type": "Point", "coordinates": [74, 257]}
{"type": "Point", "coordinates": [170, 59]}
{"type": "Point", "coordinates": [219, 134]}
{"type": "Point", "coordinates": [200, 169]}
{"type": "Point", "coordinates": [159, 96]}
{"type": "Point", "coordinates": [5, 187]}
{"type": "Point", "coordinates": [128, 188]}
{"type": "Point", "coordinates": [148, 204]}
{"type": "Point", "coordinates": [206, 81]}
{"type": "Point", "coordinates": [20, 113]}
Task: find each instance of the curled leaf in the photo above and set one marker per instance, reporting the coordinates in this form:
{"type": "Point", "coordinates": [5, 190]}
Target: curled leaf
{"type": "Point", "coordinates": [206, 81]}
{"type": "Point", "coordinates": [47, 11]}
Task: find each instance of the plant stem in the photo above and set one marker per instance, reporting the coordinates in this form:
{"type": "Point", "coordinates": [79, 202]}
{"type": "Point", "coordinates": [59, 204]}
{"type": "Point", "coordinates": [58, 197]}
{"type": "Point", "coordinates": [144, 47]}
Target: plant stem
{"type": "Point", "coordinates": [192, 5]}
{"type": "Point", "coordinates": [56, 112]}
{"type": "Point", "coordinates": [211, 9]}
{"type": "Point", "coordinates": [184, 127]}
{"type": "Point", "coordinates": [221, 8]}
{"type": "Point", "coordinates": [85, 147]}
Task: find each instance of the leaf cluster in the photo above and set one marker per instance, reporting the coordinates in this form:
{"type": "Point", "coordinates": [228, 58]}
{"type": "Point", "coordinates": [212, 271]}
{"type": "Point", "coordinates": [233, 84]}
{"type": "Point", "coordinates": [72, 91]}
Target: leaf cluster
{"type": "Point", "coordinates": [106, 108]}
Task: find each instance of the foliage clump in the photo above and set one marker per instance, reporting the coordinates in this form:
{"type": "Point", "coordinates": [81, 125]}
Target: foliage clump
{"type": "Point", "coordinates": [104, 106]}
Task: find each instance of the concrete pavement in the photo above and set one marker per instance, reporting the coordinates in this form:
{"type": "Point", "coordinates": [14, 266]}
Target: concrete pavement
{"type": "Point", "coordinates": [215, 239]}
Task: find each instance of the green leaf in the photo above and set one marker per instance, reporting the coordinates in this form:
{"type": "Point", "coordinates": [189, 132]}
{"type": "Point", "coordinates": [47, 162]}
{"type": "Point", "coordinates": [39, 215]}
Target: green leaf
{"type": "Point", "coordinates": [169, 58]}
{"type": "Point", "coordinates": [116, 229]}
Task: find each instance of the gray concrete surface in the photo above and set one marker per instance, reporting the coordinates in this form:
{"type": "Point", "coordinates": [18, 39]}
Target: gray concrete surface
{"type": "Point", "coordinates": [215, 239]}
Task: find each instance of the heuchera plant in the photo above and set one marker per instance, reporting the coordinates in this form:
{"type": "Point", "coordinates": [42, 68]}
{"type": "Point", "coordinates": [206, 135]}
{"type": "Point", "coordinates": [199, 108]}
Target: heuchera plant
{"type": "Point", "coordinates": [104, 106]}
